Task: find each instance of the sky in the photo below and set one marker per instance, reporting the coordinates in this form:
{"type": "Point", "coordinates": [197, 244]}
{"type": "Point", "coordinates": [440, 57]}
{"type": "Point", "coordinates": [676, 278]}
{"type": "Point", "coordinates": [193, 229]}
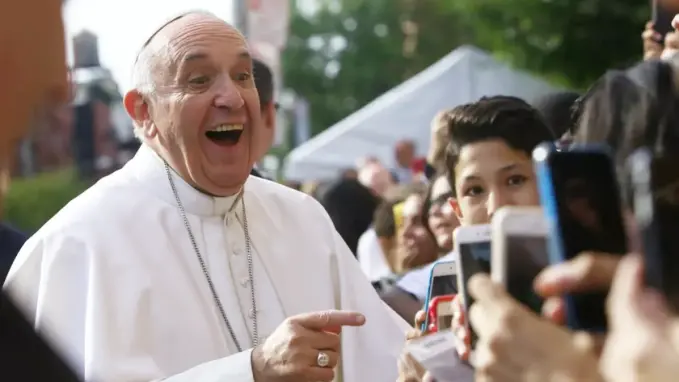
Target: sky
{"type": "Point", "coordinates": [123, 25]}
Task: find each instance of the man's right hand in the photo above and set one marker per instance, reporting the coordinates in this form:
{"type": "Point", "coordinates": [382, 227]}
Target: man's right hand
{"type": "Point", "coordinates": [291, 353]}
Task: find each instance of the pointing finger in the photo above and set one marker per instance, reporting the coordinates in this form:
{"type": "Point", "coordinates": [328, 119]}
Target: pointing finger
{"type": "Point", "coordinates": [329, 320]}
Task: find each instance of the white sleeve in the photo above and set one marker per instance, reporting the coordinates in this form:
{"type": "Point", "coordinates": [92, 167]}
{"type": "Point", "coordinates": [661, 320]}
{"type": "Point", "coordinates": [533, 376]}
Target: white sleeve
{"type": "Point", "coordinates": [235, 368]}
{"type": "Point", "coordinates": [369, 352]}
{"type": "Point", "coordinates": [52, 282]}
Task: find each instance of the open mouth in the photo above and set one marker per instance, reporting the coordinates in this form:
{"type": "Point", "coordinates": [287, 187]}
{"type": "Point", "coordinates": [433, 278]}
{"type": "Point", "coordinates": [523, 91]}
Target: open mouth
{"type": "Point", "coordinates": [226, 134]}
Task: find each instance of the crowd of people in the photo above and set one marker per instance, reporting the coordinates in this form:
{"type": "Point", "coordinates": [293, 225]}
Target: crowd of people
{"type": "Point", "coordinates": [189, 265]}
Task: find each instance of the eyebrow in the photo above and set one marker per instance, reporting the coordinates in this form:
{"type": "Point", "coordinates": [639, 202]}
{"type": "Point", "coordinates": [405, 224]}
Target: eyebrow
{"type": "Point", "coordinates": [245, 55]}
{"type": "Point", "coordinates": [506, 168]}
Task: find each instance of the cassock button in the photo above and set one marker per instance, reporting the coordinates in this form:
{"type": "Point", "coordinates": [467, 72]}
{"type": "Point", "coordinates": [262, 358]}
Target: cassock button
{"type": "Point", "coordinates": [237, 251]}
{"type": "Point", "coordinates": [244, 282]}
{"type": "Point", "coordinates": [251, 313]}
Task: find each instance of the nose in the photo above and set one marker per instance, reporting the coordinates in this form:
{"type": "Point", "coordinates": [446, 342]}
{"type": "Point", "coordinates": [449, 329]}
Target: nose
{"type": "Point", "coordinates": [435, 209]}
{"type": "Point", "coordinates": [496, 200]}
{"type": "Point", "coordinates": [228, 95]}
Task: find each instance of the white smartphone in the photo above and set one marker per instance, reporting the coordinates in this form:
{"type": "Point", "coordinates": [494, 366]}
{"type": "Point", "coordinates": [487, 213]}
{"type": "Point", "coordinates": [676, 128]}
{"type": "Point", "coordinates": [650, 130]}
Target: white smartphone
{"type": "Point", "coordinates": [444, 315]}
{"type": "Point", "coordinates": [442, 281]}
{"type": "Point", "coordinates": [519, 251]}
{"type": "Point", "coordinates": [472, 245]}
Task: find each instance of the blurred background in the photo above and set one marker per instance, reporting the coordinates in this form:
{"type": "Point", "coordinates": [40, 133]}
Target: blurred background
{"type": "Point", "coordinates": [353, 78]}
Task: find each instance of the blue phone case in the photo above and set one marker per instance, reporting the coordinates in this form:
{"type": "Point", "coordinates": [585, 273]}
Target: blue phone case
{"type": "Point", "coordinates": [555, 246]}
{"type": "Point", "coordinates": [425, 324]}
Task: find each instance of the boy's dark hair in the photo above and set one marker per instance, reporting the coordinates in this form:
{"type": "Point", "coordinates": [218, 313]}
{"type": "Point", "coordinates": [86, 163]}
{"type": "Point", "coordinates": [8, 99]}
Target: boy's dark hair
{"type": "Point", "coordinates": [263, 81]}
{"type": "Point", "coordinates": [504, 118]}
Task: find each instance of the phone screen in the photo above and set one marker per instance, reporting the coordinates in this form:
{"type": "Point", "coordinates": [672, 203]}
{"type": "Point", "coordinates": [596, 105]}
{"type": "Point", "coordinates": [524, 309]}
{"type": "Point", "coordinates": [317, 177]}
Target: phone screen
{"type": "Point", "coordinates": [474, 258]}
{"type": "Point", "coordinates": [442, 285]}
{"type": "Point", "coordinates": [590, 219]}
{"type": "Point", "coordinates": [526, 257]}
{"type": "Point", "coordinates": [444, 322]}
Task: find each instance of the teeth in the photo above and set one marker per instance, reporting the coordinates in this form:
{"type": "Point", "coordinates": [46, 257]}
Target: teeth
{"type": "Point", "coordinates": [229, 127]}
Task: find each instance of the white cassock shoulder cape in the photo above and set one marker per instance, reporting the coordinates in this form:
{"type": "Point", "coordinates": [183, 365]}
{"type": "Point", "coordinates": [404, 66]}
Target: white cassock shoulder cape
{"type": "Point", "coordinates": [114, 282]}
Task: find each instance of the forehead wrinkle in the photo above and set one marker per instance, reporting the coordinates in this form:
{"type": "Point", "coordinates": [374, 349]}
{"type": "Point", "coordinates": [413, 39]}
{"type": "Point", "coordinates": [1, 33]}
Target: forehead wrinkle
{"type": "Point", "coordinates": [179, 37]}
{"type": "Point", "coordinates": [190, 31]}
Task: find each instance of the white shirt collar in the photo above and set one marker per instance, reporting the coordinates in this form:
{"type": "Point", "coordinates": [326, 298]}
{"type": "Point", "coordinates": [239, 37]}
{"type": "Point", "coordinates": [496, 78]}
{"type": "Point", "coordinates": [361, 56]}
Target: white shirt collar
{"type": "Point", "coordinates": [149, 169]}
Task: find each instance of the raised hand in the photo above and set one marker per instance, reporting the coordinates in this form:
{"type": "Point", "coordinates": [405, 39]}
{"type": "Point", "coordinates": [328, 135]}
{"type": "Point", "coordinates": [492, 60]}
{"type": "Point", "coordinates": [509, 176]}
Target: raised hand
{"type": "Point", "coordinates": [516, 345]}
{"type": "Point", "coordinates": [643, 341]}
{"type": "Point", "coordinates": [304, 348]}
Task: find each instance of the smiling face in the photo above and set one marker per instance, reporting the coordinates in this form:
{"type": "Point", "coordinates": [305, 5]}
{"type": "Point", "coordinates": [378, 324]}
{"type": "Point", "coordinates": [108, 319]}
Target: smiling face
{"type": "Point", "coordinates": [203, 115]}
{"type": "Point", "coordinates": [442, 219]}
{"type": "Point", "coordinates": [418, 245]}
{"type": "Point", "coordinates": [490, 175]}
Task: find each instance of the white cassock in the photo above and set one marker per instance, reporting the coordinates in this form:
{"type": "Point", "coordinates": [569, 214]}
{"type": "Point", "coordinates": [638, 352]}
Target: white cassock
{"type": "Point", "coordinates": [113, 280]}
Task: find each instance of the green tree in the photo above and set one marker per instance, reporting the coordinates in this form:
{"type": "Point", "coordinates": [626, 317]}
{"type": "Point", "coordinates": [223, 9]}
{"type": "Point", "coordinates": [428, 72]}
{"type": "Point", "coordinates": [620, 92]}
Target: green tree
{"type": "Point", "coordinates": [350, 51]}
{"type": "Point", "coordinates": [570, 41]}
{"type": "Point", "coordinates": [31, 202]}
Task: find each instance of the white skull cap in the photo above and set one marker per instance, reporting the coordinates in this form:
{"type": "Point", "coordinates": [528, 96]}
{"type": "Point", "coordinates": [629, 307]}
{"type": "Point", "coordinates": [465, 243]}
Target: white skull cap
{"type": "Point", "coordinates": [155, 28]}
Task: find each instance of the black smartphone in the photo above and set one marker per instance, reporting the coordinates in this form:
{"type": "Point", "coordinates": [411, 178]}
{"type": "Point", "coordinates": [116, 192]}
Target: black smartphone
{"type": "Point", "coordinates": [581, 201]}
{"type": "Point", "coordinates": [655, 199]}
{"type": "Point", "coordinates": [662, 19]}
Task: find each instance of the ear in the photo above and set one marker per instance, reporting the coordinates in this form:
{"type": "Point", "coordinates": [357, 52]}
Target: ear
{"type": "Point", "coordinates": [456, 208]}
{"type": "Point", "coordinates": [269, 115]}
{"type": "Point", "coordinates": [138, 109]}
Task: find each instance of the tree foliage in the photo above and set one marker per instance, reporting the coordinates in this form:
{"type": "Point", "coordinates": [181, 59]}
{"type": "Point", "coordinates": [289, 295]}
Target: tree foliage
{"type": "Point", "coordinates": [571, 41]}
{"type": "Point", "coordinates": [31, 202]}
{"type": "Point", "coordinates": [351, 51]}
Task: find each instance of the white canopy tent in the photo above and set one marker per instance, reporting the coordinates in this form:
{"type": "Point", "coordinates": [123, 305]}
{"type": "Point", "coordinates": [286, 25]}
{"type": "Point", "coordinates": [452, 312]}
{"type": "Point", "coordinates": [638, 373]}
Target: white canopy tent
{"type": "Point", "coordinates": [406, 111]}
